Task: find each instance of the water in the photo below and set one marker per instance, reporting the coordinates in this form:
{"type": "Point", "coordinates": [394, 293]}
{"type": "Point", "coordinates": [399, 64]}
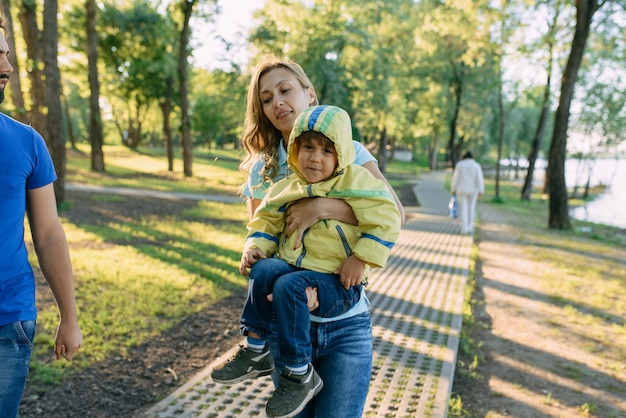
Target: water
{"type": "Point", "coordinates": [610, 207]}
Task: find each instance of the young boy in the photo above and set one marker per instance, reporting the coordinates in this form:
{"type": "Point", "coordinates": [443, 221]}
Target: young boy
{"type": "Point", "coordinates": [332, 257]}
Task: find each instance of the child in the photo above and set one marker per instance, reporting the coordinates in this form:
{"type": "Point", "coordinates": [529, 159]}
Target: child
{"type": "Point", "coordinates": [332, 257]}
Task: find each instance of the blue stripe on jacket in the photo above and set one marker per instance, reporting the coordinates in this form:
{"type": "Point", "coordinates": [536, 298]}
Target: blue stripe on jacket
{"type": "Point", "coordinates": [269, 237]}
{"type": "Point", "coordinates": [387, 244]}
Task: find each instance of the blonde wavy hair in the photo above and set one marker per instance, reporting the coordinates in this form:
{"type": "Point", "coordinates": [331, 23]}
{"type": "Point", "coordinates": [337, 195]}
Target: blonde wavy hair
{"type": "Point", "coordinates": [260, 137]}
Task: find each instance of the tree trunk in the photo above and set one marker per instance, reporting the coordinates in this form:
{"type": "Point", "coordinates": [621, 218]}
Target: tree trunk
{"type": "Point", "coordinates": [16, 86]}
{"type": "Point", "coordinates": [458, 89]}
{"type": "Point", "coordinates": [546, 182]}
{"type": "Point", "coordinates": [187, 7]}
{"type": "Point", "coordinates": [500, 133]}
{"type": "Point", "coordinates": [54, 122]}
{"type": "Point", "coordinates": [166, 109]}
{"type": "Point", "coordinates": [382, 151]}
{"type": "Point", "coordinates": [70, 125]}
{"type": "Point", "coordinates": [434, 146]}
{"type": "Point", "coordinates": [587, 186]}
{"type": "Point", "coordinates": [96, 138]}
{"type": "Point", "coordinates": [538, 138]}
{"type": "Point", "coordinates": [559, 211]}
{"type": "Point", "coordinates": [35, 66]}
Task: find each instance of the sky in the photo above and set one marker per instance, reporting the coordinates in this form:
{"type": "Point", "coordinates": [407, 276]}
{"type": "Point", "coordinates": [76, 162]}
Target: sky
{"type": "Point", "coordinates": [236, 17]}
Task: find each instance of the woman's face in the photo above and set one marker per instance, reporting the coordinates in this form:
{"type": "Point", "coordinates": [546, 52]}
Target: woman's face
{"type": "Point", "coordinates": [283, 98]}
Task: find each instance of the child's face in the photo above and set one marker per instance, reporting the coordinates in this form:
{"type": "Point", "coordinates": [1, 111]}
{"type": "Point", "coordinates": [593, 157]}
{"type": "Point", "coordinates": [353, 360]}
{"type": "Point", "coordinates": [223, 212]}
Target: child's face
{"type": "Point", "coordinates": [317, 161]}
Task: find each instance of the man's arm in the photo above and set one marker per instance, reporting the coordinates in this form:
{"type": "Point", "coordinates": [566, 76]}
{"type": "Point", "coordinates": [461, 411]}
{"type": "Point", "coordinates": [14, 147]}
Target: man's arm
{"type": "Point", "coordinates": [54, 259]}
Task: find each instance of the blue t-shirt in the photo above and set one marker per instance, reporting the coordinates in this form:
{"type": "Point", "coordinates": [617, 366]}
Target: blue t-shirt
{"type": "Point", "coordinates": [25, 163]}
{"type": "Point", "coordinates": [255, 179]}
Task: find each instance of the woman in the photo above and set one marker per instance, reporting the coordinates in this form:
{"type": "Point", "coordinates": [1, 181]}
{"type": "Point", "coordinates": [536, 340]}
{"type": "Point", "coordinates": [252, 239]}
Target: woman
{"type": "Point", "coordinates": [467, 186]}
{"type": "Point", "coordinates": [279, 91]}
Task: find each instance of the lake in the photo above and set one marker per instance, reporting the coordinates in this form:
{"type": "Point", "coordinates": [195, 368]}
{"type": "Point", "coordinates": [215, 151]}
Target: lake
{"type": "Point", "coordinates": [608, 208]}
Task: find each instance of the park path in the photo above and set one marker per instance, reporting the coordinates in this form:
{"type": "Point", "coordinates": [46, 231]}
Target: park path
{"type": "Point", "coordinates": [416, 309]}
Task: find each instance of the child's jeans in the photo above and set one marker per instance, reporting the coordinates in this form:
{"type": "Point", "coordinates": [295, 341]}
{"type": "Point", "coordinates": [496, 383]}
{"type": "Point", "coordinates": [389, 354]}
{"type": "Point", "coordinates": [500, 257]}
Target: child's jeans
{"type": "Point", "coordinates": [289, 306]}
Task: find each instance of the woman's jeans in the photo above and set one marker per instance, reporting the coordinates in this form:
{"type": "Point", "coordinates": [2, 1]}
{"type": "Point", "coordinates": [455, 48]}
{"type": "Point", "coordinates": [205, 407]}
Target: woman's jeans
{"type": "Point", "coordinates": [16, 346]}
{"type": "Point", "coordinates": [289, 306]}
{"type": "Point", "coordinates": [342, 356]}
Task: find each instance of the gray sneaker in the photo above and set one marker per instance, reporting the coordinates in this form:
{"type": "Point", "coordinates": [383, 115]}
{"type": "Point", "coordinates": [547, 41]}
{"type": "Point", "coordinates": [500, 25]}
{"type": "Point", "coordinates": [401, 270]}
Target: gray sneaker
{"type": "Point", "coordinates": [246, 364]}
{"type": "Point", "coordinates": [293, 393]}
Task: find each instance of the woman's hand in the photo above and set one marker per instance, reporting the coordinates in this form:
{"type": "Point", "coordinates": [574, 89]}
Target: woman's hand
{"type": "Point", "coordinates": [248, 259]}
{"type": "Point", "coordinates": [304, 213]}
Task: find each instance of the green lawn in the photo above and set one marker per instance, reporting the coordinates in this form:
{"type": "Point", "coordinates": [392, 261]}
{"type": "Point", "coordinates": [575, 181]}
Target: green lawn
{"type": "Point", "coordinates": [213, 172]}
{"type": "Point", "coordinates": [138, 276]}
{"type": "Point", "coordinates": [582, 276]}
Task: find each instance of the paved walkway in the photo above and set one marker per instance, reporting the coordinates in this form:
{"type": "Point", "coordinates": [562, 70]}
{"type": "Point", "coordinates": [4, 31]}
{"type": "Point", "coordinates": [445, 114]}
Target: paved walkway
{"type": "Point", "coordinates": [416, 304]}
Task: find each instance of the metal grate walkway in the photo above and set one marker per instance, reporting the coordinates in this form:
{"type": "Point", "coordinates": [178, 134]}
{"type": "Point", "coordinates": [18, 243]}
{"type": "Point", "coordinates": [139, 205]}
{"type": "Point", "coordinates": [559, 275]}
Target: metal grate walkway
{"type": "Point", "coordinates": [416, 304]}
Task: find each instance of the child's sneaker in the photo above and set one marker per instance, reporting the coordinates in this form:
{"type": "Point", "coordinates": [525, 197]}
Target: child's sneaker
{"type": "Point", "coordinates": [293, 393]}
{"type": "Point", "coordinates": [246, 364]}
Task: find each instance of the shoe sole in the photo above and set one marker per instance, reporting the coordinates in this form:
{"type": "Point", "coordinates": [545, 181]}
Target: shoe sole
{"type": "Point", "coordinates": [252, 375]}
{"type": "Point", "coordinates": [306, 400]}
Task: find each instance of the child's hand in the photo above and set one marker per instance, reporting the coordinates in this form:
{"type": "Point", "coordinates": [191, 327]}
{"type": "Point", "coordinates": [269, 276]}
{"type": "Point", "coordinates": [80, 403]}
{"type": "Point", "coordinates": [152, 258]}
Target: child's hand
{"type": "Point", "coordinates": [351, 271]}
{"type": "Point", "coordinates": [311, 295]}
{"type": "Point", "coordinates": [249, 258]}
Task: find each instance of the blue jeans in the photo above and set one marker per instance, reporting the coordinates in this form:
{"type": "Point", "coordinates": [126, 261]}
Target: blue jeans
{"type": "Point", "coordinates": [342, 356]}
{"type": "Point", "coordinates": [289, 309]}
{"type": "Point", "coordinates": [16, 346]}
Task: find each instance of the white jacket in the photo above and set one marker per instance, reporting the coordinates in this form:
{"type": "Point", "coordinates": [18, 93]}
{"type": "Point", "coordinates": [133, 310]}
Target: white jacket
{"type": "Point", "coordinates": [467, 178]}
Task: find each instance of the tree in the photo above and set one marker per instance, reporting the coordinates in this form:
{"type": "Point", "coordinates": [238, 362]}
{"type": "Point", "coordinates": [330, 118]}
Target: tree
{"type": "Point", "coordinates": [456, 38]}
{"type": "Point", "coordinates": [136, 48]}
{"type": "Point", "coordinates": [35, 65]}
{"type": "Point", "coordinates": [217, 90]}
{"type": "Point", "coordinates": [550, 39]}
{"type": "Point", "coordinates": [558, 217]}
{"type": "Point", "coordinates": [95, 122]}
{"type": "Point", "coordinates": [166, 109]}
{"type": "Point", "coordinates": [46, 114]}
{"type": "Point", "coordinates": [16, 86]}
{"type": "Point", "coordinates": [186, 7]}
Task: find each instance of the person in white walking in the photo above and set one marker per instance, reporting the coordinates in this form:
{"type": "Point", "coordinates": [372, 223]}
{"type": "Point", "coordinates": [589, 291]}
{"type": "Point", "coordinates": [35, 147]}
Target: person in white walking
{"type": "Point", "coordinates": [467, 186]}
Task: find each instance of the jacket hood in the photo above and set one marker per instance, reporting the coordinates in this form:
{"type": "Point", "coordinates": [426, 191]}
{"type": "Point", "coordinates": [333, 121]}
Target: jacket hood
{"type": "Point", "coordinates": [331, 121]}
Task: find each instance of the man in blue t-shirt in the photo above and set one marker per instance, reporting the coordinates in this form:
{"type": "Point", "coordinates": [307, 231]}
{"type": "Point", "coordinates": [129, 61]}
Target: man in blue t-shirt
{"type": "Point", "coordinates": [26, 177]}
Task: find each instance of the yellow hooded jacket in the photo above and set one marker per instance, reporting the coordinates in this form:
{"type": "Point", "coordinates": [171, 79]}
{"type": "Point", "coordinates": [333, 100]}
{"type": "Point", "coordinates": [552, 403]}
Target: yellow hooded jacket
{"type": "Point", "coordinates": [327, 243]}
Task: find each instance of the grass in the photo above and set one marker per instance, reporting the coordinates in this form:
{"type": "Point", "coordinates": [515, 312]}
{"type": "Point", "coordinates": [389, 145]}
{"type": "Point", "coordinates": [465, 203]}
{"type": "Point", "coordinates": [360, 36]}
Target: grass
{"type": "Point", "coordinates": [213, 171]}
{"type": "Point", "coordinates": [137, 277]}
{"type": "Point", "coordinates": [583, 274]}
{"type": "Point", "coordinates": [582, 277]}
